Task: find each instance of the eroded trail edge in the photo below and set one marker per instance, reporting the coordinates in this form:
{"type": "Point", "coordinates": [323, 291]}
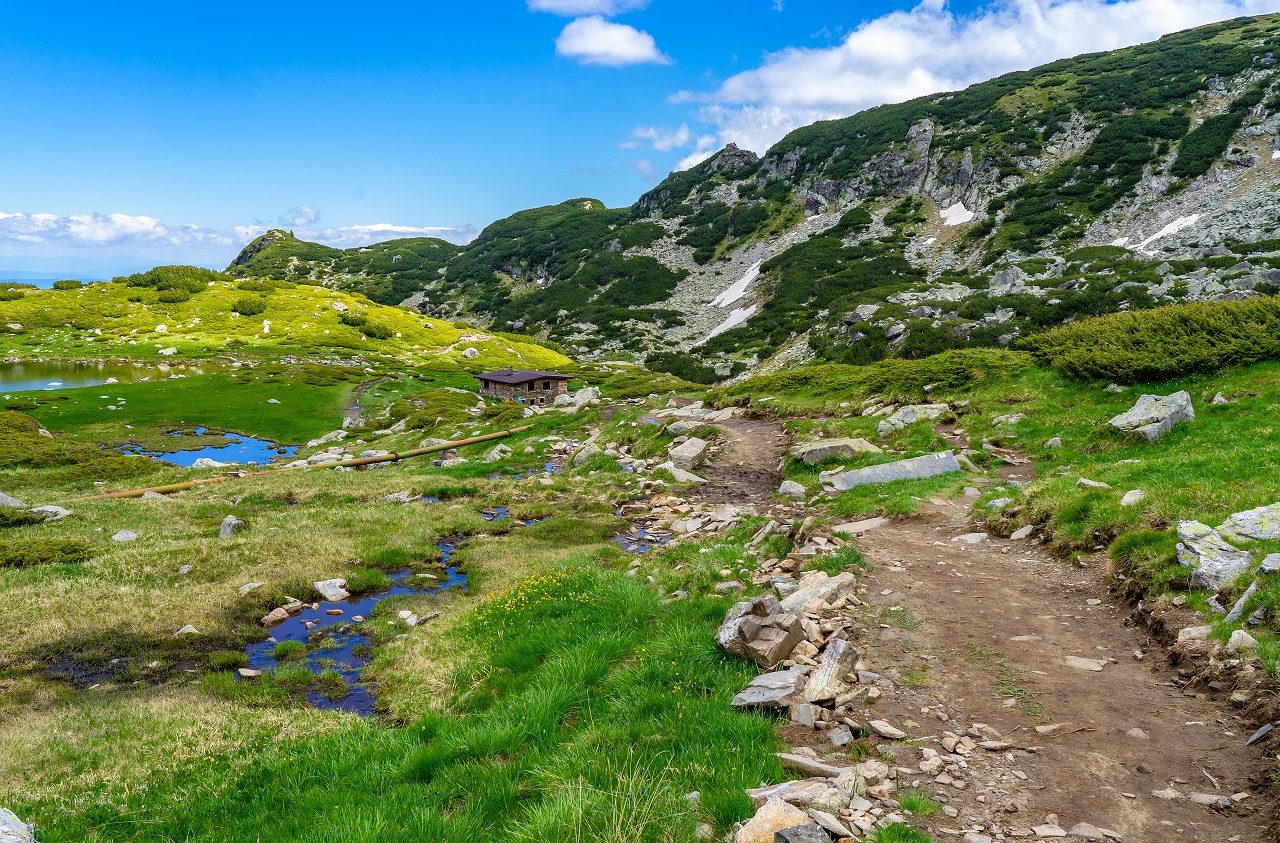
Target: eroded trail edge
{"type": "Point", "coordinates": [1004, 688]}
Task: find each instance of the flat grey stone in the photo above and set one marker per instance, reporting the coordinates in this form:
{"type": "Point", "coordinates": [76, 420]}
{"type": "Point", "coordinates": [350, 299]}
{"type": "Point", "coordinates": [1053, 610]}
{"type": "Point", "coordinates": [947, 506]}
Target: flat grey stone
{"type": "Point", "coordinates": [230, 526]}
{"type": "Point", "coordinates": [1261, 523]}
{"type": "Point", "coordinates": [826, 449]}
{"type": "Point", "coordinates": [771, 690]}
{"type": "Point", "coordinates": [333, 590]}
{"type": "Point", "coordinates": [6, 500]}
{"type": "Point", "coordinates": [915, 468]}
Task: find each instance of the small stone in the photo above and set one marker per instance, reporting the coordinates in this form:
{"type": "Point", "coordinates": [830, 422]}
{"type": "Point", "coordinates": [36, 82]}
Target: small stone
{"type": "Point", "coordinates": [1241, 642]}
{"type": "Point", "coordinates": [1138, 734]}
{"type": "Point", "coordinates": [1192, 634]}
{"type": "Point", "coordinates": [1132, 497]}
{"type": "Point", "coordinates": [1211, 800]}
{"type": "Point", "coordinates": [1055, 442]}
{"type": "Point", "coordinates": [230, 526]}
{"type": "Point", "coordinates": [188, 630]}
{"type": "Point", "coordinates": [886, 730]}
{"type": "Point", "coordinates": [1084, 664]}
{"type": "Point", "coordinates": [1086, 483]}
{"type": "Point", "coordinates": [1022, 532]}
{"type": "Point", "coordinates": [184, 570]}
{"type": "Point", "coordinates": [791, 489]}
{"type": "Point", "coordinates": [248, 673]}
{"type": "Point", "coordinates": [811, 833]}
{"type": "Point", "coordinates": [971, 538]}
{"type": "Point", "coordinates": [125, 536]}
{"type": "Point", "coordinates": [248, 587]}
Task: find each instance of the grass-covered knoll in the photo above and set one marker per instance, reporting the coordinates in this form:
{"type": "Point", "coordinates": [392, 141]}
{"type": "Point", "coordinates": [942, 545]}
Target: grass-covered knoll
{"type": "Point", "coordinates": [1164, 342]}
{"type": "Point", "coordinates": [138, 317]}
{"type": "Point", "coordinates": [387, 272]}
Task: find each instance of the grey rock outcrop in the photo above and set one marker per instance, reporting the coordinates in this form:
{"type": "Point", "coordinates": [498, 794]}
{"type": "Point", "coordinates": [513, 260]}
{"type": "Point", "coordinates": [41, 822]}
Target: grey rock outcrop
{"type": "Point", "coordinates": [760, 629]}
{"type": "Point", "coordinates": [1214, 562]}
{"type": "Point", "coordinates": [909, 415]}
{"type": "Point", "coordinates": [6, 500]}
{"type": "Point", "coordinates": [827, 680]}
{"type": "Point", "coordinates": [14, 830]}
{"type": "Point", "coordinates": [1153, 416]}
{"type": "Point", "coordinates": [915, 468]}
{"type": "Point", "coordinates": [820, 450]}
{"type": "Point", "coordinates": [791, 489]}
{"type": "Point", "coordinates": [1261, 523]}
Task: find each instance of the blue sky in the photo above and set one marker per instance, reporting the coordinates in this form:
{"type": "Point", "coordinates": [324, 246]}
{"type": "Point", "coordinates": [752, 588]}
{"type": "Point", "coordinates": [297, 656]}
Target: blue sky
{"type": "Point", "coordinates": [147, 132]}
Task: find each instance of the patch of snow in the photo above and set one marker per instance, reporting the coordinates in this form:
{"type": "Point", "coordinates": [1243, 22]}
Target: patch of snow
{"type": "Point", "coordinates": [1172, 228]}
{"type": "Point", "coordinates": [736, 317]}
{"type": "Point", "coordinates": [931, 241]}
{"type": "Point", "coordinates": [738, 288]}
{"type": "Point", "coordinates": [1120, 241]}
{"type": "Point", "coordinates": [957, 214]}
{"type": "Point", "coordinates": [1275, 155]}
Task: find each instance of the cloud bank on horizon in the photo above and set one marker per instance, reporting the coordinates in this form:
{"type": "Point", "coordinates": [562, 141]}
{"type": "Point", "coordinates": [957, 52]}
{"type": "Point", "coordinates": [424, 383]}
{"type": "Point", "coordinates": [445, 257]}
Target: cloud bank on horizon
{"type": "Point", "coordinates": [117, 233]}
{"type": "Point", "coordinates": [924, 50]}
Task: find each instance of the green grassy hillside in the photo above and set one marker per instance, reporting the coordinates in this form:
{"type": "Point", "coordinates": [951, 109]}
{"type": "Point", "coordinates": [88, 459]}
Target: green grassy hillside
{"type": "Point", "coordinates": [183, 312]}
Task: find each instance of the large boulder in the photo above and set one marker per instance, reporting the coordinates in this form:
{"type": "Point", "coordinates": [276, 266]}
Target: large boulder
{"type": "Point", "coordinates": [6, 500]}
{"type": "Point", "coordinates": [1155, 415]}
{"type": "Point", "coordinates": [761, 630]}
{"type": "Point", "coordinates": [915, 468]}
{"type": "Point", "coordinates": [14, 830]}
{"type": "Point", "coordinates": [772, 690]}
{"type": "Point", "coordinates": [909, 415]}
{"type": "Point", "coordinates": [1261, 523]}
{"type": "Point", "coordinates": [1213, 561]}
{"type": "Point", "coordinates": [820, 450]}
{"type": "Point", "coordinates": [689, 454]}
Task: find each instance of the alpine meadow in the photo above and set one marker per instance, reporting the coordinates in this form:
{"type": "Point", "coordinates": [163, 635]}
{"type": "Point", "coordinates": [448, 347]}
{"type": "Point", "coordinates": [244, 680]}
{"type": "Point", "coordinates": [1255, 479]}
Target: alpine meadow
{"type": "Point", "coordinates": [913, 478]}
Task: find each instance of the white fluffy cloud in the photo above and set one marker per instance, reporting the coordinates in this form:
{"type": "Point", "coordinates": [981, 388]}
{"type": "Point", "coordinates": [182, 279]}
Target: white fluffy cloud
{"type": "Point", "coordinates": [594, 40]}
{"type": "Point", "coordinates": [660, 139]}
{"type": "Point", "coordinates": [574, 8]}
{"type": "Point", "coordinates": [929, 49]}
{"type": "Point", "coordinates": [90, 230]}
{"type": "Point", "coordinates": [300, 215]}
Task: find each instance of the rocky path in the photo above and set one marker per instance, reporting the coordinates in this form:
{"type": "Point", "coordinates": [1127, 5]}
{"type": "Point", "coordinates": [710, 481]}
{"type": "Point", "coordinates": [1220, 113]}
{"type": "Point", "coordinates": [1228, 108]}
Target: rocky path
{"type": "Point", "coordinates": [1073, 719]}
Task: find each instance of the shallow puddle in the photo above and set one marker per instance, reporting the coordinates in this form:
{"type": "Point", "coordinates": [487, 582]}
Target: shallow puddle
{"type": "Point", "coordinates": [342, 645]}
{"type": "Point", "coordinates": [641, 540]}
{"type": "Point", "coordinates": [241, 450]}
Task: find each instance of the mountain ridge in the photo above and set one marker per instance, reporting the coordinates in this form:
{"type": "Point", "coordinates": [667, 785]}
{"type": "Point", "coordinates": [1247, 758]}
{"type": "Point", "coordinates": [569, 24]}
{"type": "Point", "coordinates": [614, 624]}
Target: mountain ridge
{"type": "Point", "coordinates": [1103, 182]}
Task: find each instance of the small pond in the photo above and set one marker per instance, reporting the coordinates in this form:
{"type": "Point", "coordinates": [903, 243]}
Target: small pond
{"type": "Point", "coordinates": [341, 644]}
{"type": "Point", "coordinates": [241, 450]}
{"type": "Point", "coordinates": [30, 375]}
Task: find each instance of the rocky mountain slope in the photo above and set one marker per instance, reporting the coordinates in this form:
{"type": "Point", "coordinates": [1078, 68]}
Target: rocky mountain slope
{"type": "Point", "coordinates": [1101, 183]}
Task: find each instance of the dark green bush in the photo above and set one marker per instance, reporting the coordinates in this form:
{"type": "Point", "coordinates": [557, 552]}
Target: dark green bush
{"type": "Point", "coordinates": [376, 331]}
{"type": "Point", "coordinates": [1163, 342]}
{"type": "Point", "coordinates": [355, 320]}
{"type": "Point", "coordinates": [173, 296]}
{"type": "Point", "coordinates": [249, 306]}
{"type": "Point", "coordinates": [26, 553]}
{"type": "Point", "coordinates": [67, 284]}
{"type": "Point", "coordinates": [10, 517]}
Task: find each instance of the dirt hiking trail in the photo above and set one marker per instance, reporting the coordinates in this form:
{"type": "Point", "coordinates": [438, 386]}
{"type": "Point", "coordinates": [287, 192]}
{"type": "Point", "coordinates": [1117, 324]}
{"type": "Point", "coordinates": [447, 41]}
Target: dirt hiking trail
{"type": "Point", "coordinates": [986, 630]}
